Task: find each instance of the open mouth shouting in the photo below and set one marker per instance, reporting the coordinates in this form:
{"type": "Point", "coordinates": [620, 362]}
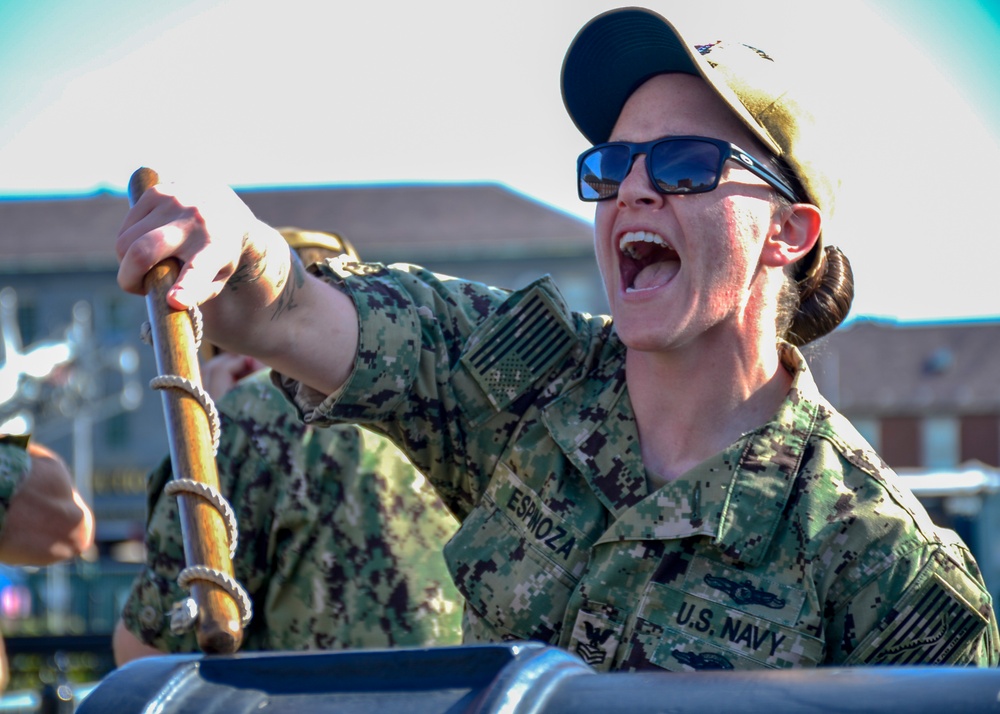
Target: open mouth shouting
{"type": "Point", "coordinates": [647, 261]}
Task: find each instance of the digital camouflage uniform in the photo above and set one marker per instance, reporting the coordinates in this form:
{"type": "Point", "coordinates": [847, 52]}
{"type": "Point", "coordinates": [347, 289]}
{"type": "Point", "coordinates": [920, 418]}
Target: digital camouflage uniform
{"type": "Point", "coordinates": [793, 547]}
{"type": "Point", "coordinates": [339, 537]}
{"type": "Point", "coordinates": [14, 465]}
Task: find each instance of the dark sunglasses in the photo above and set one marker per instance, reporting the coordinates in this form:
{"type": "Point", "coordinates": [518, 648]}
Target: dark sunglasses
{"type": "Point", "coordinates": [675, 164]}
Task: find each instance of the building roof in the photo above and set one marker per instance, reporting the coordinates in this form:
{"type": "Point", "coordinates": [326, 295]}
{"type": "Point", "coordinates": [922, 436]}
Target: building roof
{"type": "Point", "coordinates": [451, 218]}
{"type": "Point", "coordinates": [389, 222]}
{"type": "Point", "coordinates": [886, 368]}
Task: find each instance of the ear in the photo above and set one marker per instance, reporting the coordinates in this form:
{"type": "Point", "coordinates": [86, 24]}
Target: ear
{"type": "Point", "coordinates": [793, 233]}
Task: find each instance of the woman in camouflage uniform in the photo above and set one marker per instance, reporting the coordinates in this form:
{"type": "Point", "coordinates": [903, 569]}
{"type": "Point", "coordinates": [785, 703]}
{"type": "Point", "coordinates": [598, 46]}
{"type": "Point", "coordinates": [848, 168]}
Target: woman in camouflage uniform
{"type": "Point", "coordinates": [662, 489]}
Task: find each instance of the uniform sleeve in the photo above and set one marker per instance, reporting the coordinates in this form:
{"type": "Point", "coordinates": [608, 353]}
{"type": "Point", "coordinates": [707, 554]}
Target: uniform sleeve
{"type": "Point", "coordinates": [414, 326]}
{"type": "Point", "coordinates": [929, 608]}
{"type": "Point", "coordinates": [14, 465]}
{"type": "Point", "coordinates": [446, 368]}
{"type": "Point", "coordinates": [146, 613]}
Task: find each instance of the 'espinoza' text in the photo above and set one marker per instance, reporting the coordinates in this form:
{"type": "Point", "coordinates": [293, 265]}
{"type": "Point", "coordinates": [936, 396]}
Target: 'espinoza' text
{"type": "Point", "coordinates": [543, 528]}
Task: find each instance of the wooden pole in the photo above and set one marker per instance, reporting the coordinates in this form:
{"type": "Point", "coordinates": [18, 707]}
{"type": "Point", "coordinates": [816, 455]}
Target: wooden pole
{"type": "Point", "coordinates": [192, 453]}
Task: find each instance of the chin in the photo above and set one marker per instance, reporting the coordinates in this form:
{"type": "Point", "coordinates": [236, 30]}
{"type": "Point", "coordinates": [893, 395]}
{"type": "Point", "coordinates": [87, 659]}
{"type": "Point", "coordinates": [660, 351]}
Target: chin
{"type": "Point", "coordinates": [642, 337]}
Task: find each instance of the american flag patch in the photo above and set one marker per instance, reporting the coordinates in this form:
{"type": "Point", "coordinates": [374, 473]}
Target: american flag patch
{"type": "Point", "coordinates": [519, 348]}
{"type": "Point", "coordinates": [933, 625]}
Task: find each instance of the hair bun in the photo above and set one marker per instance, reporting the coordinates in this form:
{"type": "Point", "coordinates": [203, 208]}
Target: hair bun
{"type": "Point", "coordinates": [825, 299]}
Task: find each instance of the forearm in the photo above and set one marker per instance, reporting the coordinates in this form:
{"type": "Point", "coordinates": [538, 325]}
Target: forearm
{"type": "Point", "coordinates": [307, 330]}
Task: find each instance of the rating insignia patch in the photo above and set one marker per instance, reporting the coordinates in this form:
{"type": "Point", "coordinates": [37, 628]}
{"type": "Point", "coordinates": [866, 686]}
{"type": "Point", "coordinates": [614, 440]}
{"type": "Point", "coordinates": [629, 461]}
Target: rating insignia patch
{"type": "Point", "coordinates": [596, 639]}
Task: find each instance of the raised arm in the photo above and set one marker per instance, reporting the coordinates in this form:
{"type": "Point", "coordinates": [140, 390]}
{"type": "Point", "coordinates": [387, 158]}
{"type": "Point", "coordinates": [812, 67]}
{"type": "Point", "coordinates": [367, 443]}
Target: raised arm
{"type": "Point", "coordinates": [256, 298]}
{"type": "Point", "coordinates": [47, 520]}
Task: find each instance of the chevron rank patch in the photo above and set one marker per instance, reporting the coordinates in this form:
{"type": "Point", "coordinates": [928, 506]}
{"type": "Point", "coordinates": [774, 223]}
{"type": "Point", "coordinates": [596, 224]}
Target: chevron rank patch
{"type": "Point", "coordinates": [519, 348]}
{"type": "Point", "coordinates": [932, 624]}
{"type": "Point", "coordinates": [596, 636]}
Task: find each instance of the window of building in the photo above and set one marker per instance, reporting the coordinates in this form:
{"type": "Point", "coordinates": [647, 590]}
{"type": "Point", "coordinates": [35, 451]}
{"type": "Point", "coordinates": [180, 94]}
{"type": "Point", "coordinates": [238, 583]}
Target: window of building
{"type": "Point", "coordinates": [27, 321]}
{"type": "Point", "coordinates": [939, 442]}
{"type": "Point", "coordinates": [899, 438]}
{"type": "Point", "coordinates": [118, 316]}
{"type": "Point", "coordinates": [868, 428]}
{"type": "Point", "coordinates": [980, 439]}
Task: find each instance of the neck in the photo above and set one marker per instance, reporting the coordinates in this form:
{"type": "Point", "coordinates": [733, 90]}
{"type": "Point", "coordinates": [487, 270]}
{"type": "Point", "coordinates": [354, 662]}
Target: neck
{"type": "Point", "coordinates": [689, 407]}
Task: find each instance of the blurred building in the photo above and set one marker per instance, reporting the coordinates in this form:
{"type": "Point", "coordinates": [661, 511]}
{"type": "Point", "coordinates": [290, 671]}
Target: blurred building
{"type": "Point", "coordinates": [924, 395]}
{"type": "Point", "coordinates": [58, 257]}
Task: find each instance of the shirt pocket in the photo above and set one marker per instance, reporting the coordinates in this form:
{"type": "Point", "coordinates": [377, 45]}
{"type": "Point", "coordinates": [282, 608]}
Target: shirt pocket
{"type": "Point", "coordinates": [680, 631]}
{"type": "Point", "coordinates": [510, 572]}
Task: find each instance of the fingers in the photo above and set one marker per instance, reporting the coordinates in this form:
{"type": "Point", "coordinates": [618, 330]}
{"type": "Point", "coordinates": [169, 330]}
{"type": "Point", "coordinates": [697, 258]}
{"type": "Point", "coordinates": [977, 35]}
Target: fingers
{"type": "Point", "coordinates": [134, 256]}
{"type": "Point", "coordinates": [157, 227]}
{"type": "Point", "coordinates": [202, 229]}
{"type": "Point", "coordinates": [200, 278]}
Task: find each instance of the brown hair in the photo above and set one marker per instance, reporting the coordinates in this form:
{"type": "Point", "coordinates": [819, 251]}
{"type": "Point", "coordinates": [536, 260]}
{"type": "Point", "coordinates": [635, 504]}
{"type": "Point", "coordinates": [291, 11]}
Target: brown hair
{"type": "Point", "coordinates": [810, 307]}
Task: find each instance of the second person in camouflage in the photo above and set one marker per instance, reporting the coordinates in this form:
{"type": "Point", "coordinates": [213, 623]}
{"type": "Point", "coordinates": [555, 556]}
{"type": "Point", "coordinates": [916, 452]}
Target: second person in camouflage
{"type": "Point", "coordinates": [339, 536]}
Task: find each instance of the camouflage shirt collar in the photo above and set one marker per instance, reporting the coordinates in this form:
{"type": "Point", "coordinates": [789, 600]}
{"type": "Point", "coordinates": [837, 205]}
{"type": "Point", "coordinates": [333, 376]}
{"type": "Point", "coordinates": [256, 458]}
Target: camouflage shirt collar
{"type": "Point", "coordinates": [770, 463]}
{"type": "Point", "coordinates": [766, 464]}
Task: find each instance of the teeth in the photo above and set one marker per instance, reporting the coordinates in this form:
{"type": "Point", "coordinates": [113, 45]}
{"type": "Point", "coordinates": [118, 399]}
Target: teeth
{"type": "Point", "coordinates": [630, 239]}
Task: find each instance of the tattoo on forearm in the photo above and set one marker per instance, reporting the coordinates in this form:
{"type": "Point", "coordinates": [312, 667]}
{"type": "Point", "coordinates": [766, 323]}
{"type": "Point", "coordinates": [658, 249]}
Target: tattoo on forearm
{"type": "Point", "coordinates": [286, 301]}
{"type": "Point", "coordinates": [248, 271]}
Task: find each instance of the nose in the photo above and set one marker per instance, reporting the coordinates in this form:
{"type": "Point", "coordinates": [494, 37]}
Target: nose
{"type": "Point", "coordinates": [637, 188]}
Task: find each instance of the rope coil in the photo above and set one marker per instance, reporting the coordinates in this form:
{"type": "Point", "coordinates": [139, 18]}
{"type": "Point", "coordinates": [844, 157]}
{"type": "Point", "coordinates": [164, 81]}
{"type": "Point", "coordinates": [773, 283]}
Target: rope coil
{"type": "Point", "coordinates": [186, 485]}
{"type": "Point", "coordinates": [198, 393]}
{"type": "Point", "coordinates": [227, 583]}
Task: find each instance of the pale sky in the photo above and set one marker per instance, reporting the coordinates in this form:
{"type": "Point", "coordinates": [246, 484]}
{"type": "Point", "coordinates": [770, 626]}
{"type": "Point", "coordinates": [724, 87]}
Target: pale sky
{"type": "Point", "coordinates": [258, 92]}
